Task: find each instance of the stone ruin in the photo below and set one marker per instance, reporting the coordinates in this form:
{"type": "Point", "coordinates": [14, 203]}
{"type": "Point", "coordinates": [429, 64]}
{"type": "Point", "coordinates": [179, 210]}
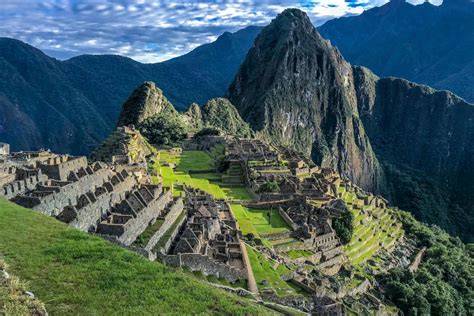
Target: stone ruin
{"type": "Point", "coordinates": [116, 201]}
{"type": "Point", "coordinates": [208, 239]}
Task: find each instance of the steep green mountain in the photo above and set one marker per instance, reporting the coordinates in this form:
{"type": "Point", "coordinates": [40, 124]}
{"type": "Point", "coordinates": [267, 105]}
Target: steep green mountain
{"type": "Point", "coordinates": [145, 101]}
{"type": "Point", "coordinates": [39, 106]}
{"type": "Point", "coordinates": [425, 140]}
{"type": "Point", "coordinates": [423, 43]}
{"type": "Point", "coordinates": [155, 117]}
{"type": "Point", "coordinates": [71, 106]}
{"type": "Point", "coordinates": [411, 143]}
{"type": "Point", "coordinates": [221, 114]}
{"type": "Point", "coordinates": [296, 88]}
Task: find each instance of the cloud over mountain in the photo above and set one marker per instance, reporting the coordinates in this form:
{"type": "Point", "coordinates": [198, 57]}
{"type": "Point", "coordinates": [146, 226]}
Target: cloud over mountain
{"type": "Point", "coordinates": [147, 30]}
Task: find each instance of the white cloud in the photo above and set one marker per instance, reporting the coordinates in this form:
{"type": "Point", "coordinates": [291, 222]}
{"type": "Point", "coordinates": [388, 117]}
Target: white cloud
{"type": "Point", "coordinates": [148, 30]}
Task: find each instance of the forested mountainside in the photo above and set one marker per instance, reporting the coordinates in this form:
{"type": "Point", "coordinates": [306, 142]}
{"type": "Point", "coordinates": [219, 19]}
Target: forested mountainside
{"type": "Point", "coordinates": [423, 43]}
{"type": "Point", "coordinates": [388, 135]}
{"type": "Point", "coordinates": [71, 106]}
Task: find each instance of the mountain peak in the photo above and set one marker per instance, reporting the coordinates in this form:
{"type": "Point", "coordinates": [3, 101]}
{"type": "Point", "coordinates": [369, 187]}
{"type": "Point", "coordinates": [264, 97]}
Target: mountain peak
{"type": "Point", "coordinates": [295, 88]}
{"type": "Point", "coordinates": [145, 101]}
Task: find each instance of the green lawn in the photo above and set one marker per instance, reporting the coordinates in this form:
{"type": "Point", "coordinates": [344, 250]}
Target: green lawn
{"type": "Point", "coordinates": [207, 181]}
{"type": "Point", "coordinates": [78, 274]}
{"type": "Point", "coordinates": [257, 220]}
{"type": "Point", "coordinates": [295, 254]}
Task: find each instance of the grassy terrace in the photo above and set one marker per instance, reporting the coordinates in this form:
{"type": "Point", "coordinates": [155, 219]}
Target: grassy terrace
{"type": "Point", "coordinates": [367, 238]}
{"type": "Point", "coordinates": [196, 169]}
{"type": "Point", "coordinates": [145, 237]}
{"type": "Point", "coordinates": [79, 274]}
{"type": "Point", "coordinates": [265, 273]}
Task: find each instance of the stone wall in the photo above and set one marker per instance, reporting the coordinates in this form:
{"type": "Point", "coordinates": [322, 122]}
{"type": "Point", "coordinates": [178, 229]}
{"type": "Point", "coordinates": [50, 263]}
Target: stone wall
{"type": "Point", "coordinates": [175, 210]}
{"type": "Point", "coordinates": [88, 216]}
{"type": "Point", "coordinates": [15, 188]}
{"type": "Point", "coordinates": [136, 226]}
{"type": "Point", "coordinates": [287, 219]}
{"type": "Point", "coordinates": [62, 166]}
{"type": "Point", "coordinates": [169, 242]}
{"type": "Point", "coordinates": [53, 204]}
{"type": "Point", "coordinates": [205, 264]}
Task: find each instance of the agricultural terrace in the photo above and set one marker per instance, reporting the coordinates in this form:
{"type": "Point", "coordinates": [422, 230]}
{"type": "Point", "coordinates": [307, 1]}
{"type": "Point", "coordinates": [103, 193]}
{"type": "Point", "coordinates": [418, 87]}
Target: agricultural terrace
{"type": "Point", "coordinates": [372, 232]}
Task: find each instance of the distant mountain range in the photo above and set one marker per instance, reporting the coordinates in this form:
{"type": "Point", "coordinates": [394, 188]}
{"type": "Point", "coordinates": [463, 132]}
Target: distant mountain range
{"type": "Point", "coordinates": [424, 43]}
{"type": "Point", "coordinates": [71, 106]}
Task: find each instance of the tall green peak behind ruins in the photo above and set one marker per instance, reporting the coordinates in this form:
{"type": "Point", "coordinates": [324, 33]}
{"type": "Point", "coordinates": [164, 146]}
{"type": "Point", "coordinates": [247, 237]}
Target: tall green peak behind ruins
{"type": "Point", "coordinates": [147, 112]}
{"type": "Point", "coordinates": [411, 143]}
{"type": "Point", "coordinates": [145, 101]}
{"type": "Point", "coordinates": [296, 88]}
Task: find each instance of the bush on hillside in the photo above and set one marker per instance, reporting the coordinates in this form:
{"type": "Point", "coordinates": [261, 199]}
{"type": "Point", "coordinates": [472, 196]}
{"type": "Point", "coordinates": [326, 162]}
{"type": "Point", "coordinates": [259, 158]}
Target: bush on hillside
{"type": "Point", "coordinates": [344, 227]}
{"type": "Point", "coordinates": [163, 129]}
{"type": "Point", "coordinates": [269, 187]}
{"type": "Point", "coordinates": [443, 284]}
{"type": "Point", "coordinates": [208, 131]}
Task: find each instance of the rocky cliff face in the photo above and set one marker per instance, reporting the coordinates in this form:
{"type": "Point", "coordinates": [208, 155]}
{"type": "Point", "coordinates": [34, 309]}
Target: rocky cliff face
{"type": "Point", "coordinates": [297, 89]}
{"type": "Point", "coordinates": [145, 101]}
{"type": "Point", "coordinates": [425, 141]}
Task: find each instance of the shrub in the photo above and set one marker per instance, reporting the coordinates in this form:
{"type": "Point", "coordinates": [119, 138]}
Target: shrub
{"type": "Point", "coordinates": [164, 128]}
{"type": "Point", "coordinates": [344, 227]}
{"type": "Point", "coordinates": [269, 187]}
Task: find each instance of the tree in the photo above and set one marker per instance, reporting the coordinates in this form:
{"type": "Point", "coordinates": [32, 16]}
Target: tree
{"type": "Point", "coordinates": [344, 226]}
{"type": "Point", "coordinates": [269, 187]}
{"type": "Point", "coordinates": [164, 128]}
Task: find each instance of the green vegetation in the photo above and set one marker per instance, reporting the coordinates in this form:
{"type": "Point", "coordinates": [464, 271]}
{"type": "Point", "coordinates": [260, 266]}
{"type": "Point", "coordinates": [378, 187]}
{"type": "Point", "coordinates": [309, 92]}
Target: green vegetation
{"type": "Point", "coordinates": [144, 238]}
{"type": "Point", "coordinates": [13, 297]}
{"type": "Point", "coordinates": [371, 230]}
{"type": "Point", "coordinates": [269, 187]}
{"type": "Point", "coordinates": [208, 131]}
{"type": "Point", "coordinates": [265, 275]}
{"type": "Point", "coordinates": [344, 227]}
{"type": "Point", "coordinates": [257, 221]}
{"type": "Point", "coordinates": [166, 236]}
{"type": "Point", "coordinates": [196, 169]}
{"type": "Point", "coordinates": [443, 284]}
{"type": "Point", "coordinates": [76, 273]}
{"type": "Point", "coordinates": [164, 128]}
{"type": "Point", "coordinates": [219, 113]}
{"type": "Point", "coordinates": [295, 254]}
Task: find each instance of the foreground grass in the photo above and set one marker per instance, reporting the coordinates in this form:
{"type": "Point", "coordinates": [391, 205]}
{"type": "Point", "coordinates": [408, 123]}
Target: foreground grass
{"type": "Point", "coordinates": [75, 273]}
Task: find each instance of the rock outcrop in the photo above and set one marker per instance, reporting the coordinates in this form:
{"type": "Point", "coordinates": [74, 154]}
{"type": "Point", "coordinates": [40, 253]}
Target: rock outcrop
{"type": "Point", "coordinates": [297, 89]}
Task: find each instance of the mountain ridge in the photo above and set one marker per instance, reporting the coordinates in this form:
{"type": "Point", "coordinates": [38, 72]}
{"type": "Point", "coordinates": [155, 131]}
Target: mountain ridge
{"type": "Point", "coordinates": [71, 106]}
{"type": "Point", "coordinates": [432, 43]}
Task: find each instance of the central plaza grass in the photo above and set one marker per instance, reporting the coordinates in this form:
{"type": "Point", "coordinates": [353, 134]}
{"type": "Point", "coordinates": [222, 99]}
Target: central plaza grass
{"type": "Point", "coordinates": [74, 273]}
{"type": "Point", "coordinates": [257, 222]}
{"type": "Point", "coordinates": [195, 168]}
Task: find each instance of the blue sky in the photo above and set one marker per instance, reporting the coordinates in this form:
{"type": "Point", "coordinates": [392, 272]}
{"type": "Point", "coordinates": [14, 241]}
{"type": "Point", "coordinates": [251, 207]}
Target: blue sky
{"type": "Point", "coordinates": [149, 30]}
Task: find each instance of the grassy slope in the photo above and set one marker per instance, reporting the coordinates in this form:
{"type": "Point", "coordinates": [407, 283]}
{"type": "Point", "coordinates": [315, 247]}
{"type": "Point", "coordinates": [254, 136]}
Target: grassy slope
{"type": "Point", "coordinates": [75, 273]}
